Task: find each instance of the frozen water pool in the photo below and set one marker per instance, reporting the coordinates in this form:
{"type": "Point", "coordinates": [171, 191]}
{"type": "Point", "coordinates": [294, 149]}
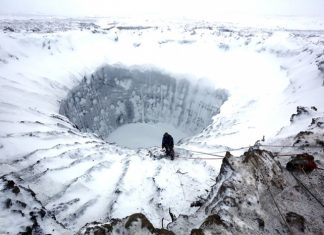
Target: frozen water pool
{"type": "Point", "coordinates": [133, 107]}
{"type": "Point", "coordinates": [142, 135]}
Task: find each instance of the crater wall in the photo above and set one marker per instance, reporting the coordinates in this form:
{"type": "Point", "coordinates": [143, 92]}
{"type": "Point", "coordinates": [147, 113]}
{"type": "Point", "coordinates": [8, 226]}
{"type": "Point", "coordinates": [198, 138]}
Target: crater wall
{"type": "Point", "coordinates": [114, 96]}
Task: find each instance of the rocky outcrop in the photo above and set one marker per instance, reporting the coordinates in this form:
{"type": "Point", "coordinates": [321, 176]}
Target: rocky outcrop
{"type": "Point", "coordinates": [31, 217]}
{"type": "Point", "coordinates": [253, 194]}
{"type": "Point", "coordinates": [302, 111]}
{"type": "Point", "coordinates": [133, 224]}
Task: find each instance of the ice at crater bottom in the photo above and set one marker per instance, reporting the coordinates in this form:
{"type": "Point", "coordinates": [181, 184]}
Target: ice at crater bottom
{"type": "Point", "coordinates": [143, 135]}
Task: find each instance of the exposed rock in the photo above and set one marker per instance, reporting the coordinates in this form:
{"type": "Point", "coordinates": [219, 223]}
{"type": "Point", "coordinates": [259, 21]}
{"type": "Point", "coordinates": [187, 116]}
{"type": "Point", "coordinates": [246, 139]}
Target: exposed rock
{"type": "Point", "coordinates": [145, 223]}
{"type": "Point", "coordinates": [303, 133]}
{"type": "Point", "coordinates": [133, 224]}
{"type": "Point", "coordinates": [212, 221]}
{"type": "Point", "coordinates": [301, 138]}
{"type": "Point", "coordinates": [314, 108]}
{"type": "Point", "coordinates": [296, 221]}
{"type": "Point", "coordinates": [163, 232]}
{"type": "Point", "coordinates": [313, 137]}
{"type": "Point", "coordinates": [16, 190]}
{"type": "Point", "coordinates": [8, 203]}
{"type": "Point", "coordinates": [318, 122]}
{"type": "Point", "coordinates": [28, 231]}
{"type": "Point", "coordinates": [197, 232]}
{"type": "Point", "coordinates": [246, 198]}
{"type": "Point", "coordinates": [300, 112]}
{"type": "Point", "coordinates": [320, 142]}
{"type": "Point", "coordinates": [8, 29]}
{"type": "Point", "coordinates": [228, 154]}
{"type": "Point", "coordinates": [197, 203]}
{"type": "Point", "coordinates": [22, 204]}
{"type": "Point", "coordinates": [321, 66]}
{"type": "Point", "coordinates": [10, 184]}
{"type": "Point", "coordinates": [31, 217]}
{"type": "Point", "coordinates": [260, 223]}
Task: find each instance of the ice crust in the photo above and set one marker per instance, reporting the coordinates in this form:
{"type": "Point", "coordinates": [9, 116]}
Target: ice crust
{"type": "Point", "coordinates": [143, 135]}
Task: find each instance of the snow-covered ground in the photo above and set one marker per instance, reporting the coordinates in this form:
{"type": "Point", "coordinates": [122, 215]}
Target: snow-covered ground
{"type": "Point", "coordinates": [78, 177]}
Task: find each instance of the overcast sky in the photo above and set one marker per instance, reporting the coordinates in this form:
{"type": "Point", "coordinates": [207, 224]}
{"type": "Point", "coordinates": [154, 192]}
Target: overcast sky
{"type": "Point", "coordinates": [174, 8]}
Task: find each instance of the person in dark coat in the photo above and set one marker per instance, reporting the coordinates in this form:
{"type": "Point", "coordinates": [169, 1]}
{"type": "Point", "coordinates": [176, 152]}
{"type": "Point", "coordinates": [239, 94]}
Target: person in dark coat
{"type": "Point", "coordinates": [167, 144]}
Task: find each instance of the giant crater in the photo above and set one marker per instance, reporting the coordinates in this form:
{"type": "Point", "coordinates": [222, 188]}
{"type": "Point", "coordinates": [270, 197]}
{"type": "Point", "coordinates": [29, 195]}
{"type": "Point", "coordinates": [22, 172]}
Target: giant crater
{"type": "Point", "coordinates": [114, 96]}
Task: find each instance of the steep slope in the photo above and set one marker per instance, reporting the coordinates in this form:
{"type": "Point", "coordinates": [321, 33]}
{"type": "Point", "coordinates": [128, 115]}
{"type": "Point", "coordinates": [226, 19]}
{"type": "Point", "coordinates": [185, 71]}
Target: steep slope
{"type": "Point", "coordinates": [115, 96]}
{"type": "Point", "coordinates": [256, 194]}
{"type": "Point", "coordinates": [253, 194]}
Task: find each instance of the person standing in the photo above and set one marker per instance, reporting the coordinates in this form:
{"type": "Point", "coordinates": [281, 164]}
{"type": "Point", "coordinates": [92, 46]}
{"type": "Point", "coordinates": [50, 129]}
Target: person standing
{"type": "Point", "coordinates": [167, 144]}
